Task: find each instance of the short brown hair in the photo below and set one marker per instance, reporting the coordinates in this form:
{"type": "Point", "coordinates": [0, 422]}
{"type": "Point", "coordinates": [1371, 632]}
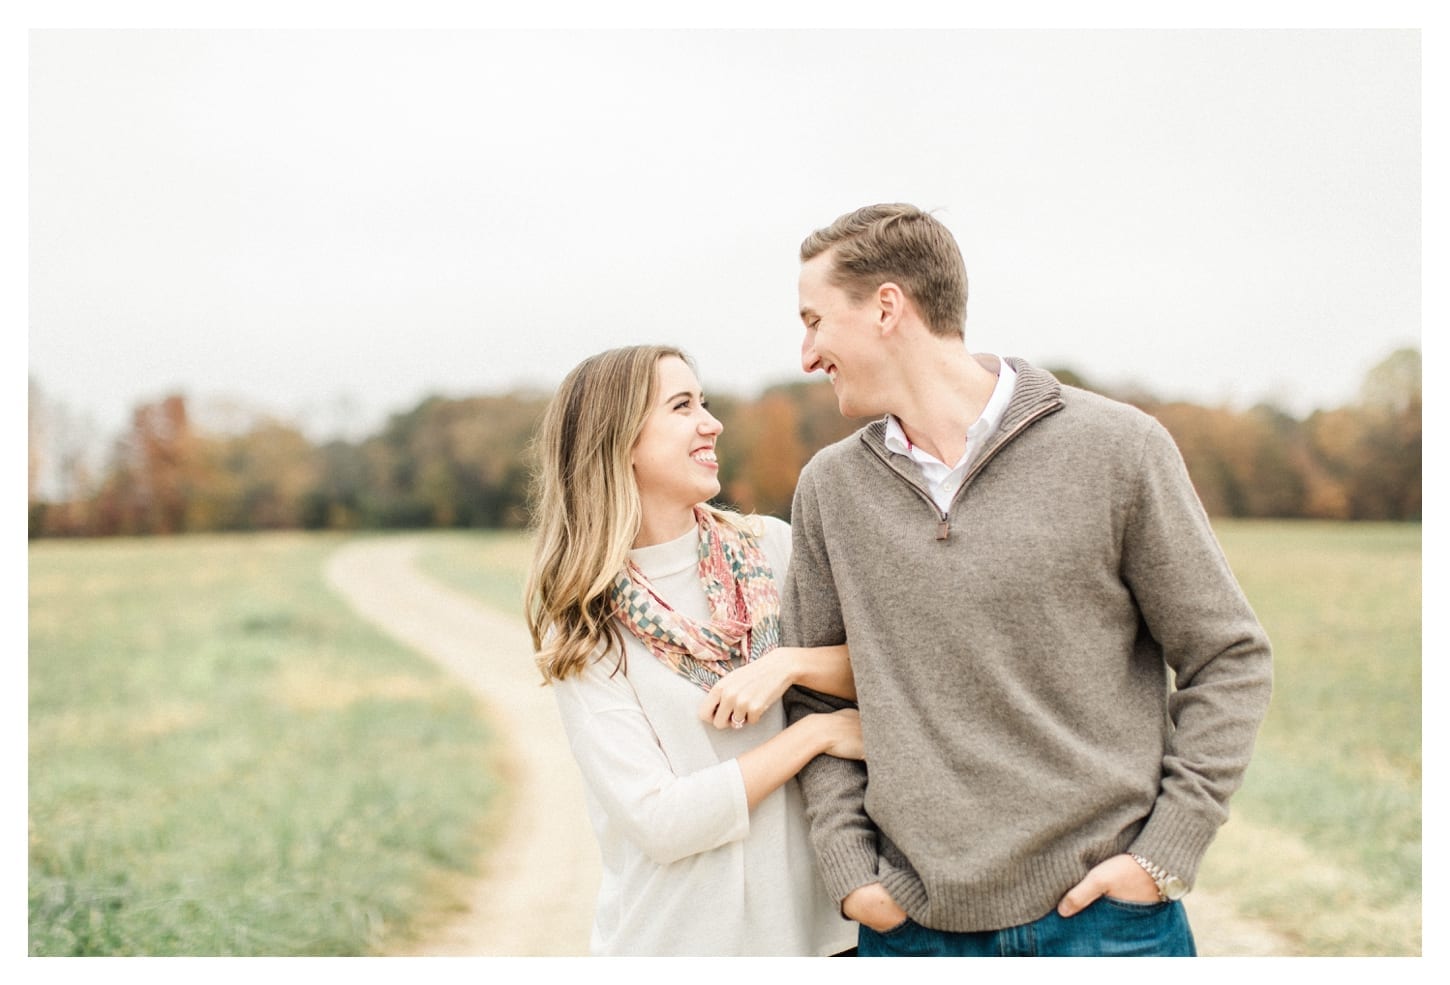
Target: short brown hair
{"type": "Point", "coordinates": [899, 243]}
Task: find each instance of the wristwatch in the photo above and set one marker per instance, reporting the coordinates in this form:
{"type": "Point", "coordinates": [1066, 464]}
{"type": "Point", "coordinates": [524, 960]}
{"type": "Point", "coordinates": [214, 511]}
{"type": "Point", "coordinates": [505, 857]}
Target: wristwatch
{"type": "Point", "coordinates": [1170, 887]}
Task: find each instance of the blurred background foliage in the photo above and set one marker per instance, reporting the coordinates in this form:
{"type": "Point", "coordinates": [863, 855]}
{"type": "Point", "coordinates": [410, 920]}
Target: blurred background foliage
{"type": "Point", "coordinates": [465, 463]}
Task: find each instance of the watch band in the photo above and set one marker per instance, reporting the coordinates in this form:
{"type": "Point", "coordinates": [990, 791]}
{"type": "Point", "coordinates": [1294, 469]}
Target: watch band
{"type": "Point", "coordinates": [1161, 879]}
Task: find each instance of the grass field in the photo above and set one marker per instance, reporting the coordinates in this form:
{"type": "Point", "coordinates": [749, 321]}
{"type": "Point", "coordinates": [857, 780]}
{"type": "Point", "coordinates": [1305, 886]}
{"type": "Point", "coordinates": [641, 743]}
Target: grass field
{"type": "Point", "coordinates": [223, 760]}
{"type": "Point", "coordinates": [488, 565]}
{"type": "Point", "coordinates": [1324, 840]}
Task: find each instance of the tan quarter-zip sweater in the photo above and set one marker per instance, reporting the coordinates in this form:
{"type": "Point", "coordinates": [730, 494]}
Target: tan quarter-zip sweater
{"type": "Point", "coordinates": [1060, 669]}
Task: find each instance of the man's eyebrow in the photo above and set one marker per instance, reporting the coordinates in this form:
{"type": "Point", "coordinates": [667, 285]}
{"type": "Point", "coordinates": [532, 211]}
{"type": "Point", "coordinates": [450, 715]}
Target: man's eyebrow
{"type": "Point", "coordinates": [807, 311]}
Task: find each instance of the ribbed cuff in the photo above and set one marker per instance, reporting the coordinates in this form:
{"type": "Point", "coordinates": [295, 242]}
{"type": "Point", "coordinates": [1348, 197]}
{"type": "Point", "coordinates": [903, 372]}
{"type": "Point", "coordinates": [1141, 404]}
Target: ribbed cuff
{"type": "Point", "coordinates": [848, 866]}
{"type": "Point", "coordinates": [1174, 840]}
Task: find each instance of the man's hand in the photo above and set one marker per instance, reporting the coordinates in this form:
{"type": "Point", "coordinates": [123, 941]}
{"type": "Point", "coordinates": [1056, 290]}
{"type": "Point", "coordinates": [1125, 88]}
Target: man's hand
{"type": "Point", "coordinates": [1119, 877]}
{"type": "Point", "coordinates": [873, 906]}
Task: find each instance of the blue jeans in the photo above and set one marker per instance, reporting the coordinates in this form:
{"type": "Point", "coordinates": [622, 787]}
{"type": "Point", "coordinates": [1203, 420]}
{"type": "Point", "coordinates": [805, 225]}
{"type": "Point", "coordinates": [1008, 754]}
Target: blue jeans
{"type": "Point", "coordinates": [1107, 928]}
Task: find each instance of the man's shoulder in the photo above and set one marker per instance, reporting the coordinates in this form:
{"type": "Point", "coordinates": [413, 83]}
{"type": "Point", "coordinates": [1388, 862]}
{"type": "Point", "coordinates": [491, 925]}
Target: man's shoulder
{"type": "Point", "coordinates": [1087, 408]}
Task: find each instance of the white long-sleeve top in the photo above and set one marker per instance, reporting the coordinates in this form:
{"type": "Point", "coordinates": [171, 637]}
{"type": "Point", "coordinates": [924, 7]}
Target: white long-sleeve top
{"type": "Point", "coordinates": [688, 869]}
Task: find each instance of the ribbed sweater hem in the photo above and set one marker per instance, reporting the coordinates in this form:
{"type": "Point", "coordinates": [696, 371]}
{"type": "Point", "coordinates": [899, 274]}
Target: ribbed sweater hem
{"type": "Point", "coordinates": [1026, 893]}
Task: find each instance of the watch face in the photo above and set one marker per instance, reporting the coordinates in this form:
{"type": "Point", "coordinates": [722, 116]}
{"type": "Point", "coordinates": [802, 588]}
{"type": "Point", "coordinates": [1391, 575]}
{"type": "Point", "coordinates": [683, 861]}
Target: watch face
{"type": "Point", "coordinates": [1174, 887]}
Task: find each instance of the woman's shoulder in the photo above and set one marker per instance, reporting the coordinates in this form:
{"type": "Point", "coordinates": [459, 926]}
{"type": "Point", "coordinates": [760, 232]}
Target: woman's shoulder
{"type": "Point", "coordinates": [769, 526]}
{"type": "Point", "coordinates": [604, 662]}
{"type": "Point", "coordinates": [768, 529]}
{"type": "Point", "coordinates": [774, 537]}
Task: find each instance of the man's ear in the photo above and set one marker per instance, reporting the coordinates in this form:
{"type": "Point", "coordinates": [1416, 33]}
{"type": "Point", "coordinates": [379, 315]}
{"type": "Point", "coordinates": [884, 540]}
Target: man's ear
{"type": "Point", "coordinates": [890, 305]}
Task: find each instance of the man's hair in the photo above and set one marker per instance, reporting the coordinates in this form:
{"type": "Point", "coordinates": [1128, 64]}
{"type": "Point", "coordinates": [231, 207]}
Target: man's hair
{"type": "Point", "coordinates": [902, 244]}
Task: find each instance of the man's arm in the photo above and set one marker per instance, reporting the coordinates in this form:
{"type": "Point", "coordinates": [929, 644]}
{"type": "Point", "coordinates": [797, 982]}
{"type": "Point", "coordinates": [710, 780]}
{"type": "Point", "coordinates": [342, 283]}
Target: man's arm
{"type": "Point", "coordinates": [1219, 654]}
{"type": "Point", "coordinates": [834, 790]}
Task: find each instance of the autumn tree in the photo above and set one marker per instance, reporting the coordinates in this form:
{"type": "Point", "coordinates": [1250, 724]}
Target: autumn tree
{"type": "Point", "coordinates": [150, 479]}
{"type": "Point", "coordinates": [467, 462]}
{"type": "Point", "coordinates": [764, 453]}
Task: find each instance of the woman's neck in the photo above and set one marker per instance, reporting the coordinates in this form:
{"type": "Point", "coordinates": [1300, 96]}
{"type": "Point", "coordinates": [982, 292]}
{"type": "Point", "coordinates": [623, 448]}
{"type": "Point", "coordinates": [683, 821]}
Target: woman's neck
{"type": "Point", "coordinates": [659, 527]}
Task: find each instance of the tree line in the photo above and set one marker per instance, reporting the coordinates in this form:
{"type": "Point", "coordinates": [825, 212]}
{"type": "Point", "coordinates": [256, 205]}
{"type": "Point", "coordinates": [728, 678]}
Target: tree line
{"type": "Point", "coordinates": [466, 462]}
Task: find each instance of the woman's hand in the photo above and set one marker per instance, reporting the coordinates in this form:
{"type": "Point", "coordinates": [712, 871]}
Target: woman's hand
{"type": "Point", "coordinates": [744, 694]}
{"type": "Point", "coordinates": [781, 757]}
{"type": "Point", "coordinates": [843, 734]}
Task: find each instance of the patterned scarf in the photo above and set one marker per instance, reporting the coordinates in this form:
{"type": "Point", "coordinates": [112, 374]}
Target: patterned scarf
{"type": "Point", "coordinates": [744, 608]}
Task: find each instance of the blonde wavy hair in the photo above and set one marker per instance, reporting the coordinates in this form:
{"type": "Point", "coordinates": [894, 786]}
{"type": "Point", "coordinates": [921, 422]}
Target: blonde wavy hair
{"type": "Point", "coordinates": [586, 506]}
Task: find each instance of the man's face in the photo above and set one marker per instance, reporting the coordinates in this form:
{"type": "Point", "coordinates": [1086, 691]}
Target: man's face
{"type": "Point", "coordinates": [840, 337]}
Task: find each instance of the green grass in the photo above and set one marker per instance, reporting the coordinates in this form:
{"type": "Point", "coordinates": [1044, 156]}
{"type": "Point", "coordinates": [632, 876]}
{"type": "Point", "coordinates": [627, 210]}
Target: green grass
{"type": "Point", "coordinates": [489, 565]}
{"type": "Point", "coordinates": [1324, 840]}
{"type": "Point", "coordinates": [223, 760]}
{"type": "Point", "coordinates": [1325, 837]}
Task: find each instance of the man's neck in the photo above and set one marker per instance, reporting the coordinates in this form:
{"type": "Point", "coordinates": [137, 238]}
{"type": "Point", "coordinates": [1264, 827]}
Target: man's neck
{"type": "Point", "coordinates": [941, 399]}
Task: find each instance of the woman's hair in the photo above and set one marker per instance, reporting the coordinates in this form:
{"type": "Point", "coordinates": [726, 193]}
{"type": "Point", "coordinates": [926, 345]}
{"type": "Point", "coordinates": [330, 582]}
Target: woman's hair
{"type": "Point", "coordinates": [586, 506]}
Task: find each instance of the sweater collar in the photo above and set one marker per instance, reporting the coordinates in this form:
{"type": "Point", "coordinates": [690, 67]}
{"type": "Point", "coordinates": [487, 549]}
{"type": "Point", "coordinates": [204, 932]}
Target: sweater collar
{"type": "Point", "coordinates": [982, 428]}
{"type": "Point", "coordinates": [1034, 393]}
{"type": "Point", "coordinates": [670, 557]}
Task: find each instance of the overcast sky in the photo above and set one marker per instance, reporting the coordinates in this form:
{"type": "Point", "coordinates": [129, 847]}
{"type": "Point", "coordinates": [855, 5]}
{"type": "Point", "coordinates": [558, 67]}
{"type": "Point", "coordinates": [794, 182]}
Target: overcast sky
{"type": "Point", "coordinates": [335, 224]}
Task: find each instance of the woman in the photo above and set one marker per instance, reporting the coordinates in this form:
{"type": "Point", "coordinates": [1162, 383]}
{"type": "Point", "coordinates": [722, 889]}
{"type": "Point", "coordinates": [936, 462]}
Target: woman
{"type": "Point", "coordinates": [655, 619]}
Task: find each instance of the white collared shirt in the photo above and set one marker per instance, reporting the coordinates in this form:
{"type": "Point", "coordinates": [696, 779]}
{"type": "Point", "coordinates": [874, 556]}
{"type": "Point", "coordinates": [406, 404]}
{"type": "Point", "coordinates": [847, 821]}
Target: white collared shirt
{"type": "Point", "coordinates": [941, 481]}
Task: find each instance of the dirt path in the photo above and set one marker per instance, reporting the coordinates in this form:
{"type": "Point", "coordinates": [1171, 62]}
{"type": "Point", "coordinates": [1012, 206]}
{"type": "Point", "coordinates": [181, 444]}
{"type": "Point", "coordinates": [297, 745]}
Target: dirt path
{"type": "Point", "coordinates": [536, 894]}
{"type": "Point", "coordinates": [537, 889]}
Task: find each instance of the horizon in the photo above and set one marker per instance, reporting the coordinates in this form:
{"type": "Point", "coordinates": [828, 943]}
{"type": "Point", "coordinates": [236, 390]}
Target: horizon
{"type": "Point", "coordinates": [225, 414]}
{"type": "Point", "coordinates": [303, 219]}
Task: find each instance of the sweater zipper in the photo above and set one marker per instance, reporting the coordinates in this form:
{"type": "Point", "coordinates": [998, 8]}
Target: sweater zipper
{"type": "Point", "coordinates": [944, 521]}
{"type": "Point", "coordinates": [944, 524]}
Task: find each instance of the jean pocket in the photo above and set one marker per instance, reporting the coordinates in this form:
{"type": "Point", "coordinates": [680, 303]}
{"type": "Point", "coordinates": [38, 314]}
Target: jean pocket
{"type": "Point", "coordinates": [1134, 906]}
{"type": "Point", "coordinates": [893, 931]}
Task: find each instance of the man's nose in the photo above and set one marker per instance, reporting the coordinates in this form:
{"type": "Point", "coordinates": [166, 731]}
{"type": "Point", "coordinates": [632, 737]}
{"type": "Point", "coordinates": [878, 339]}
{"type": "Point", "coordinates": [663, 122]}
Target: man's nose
{"type": "Point", "coordinates": [809, 360]}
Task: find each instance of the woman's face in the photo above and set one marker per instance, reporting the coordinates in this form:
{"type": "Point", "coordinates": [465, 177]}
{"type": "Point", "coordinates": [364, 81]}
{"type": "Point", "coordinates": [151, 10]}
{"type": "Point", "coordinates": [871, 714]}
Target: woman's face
{"type": "Point", "coordinates": [674, 458]}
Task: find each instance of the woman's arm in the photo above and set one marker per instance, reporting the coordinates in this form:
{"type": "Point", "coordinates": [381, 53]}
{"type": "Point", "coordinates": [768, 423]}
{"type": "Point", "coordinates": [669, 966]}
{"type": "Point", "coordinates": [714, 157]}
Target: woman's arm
{"type": "Point", "coordinates": [746, 692]}
{"type": "Point", "coordinates": [671, 816]}
{"type": "Point", "coordinates": [773, 762]}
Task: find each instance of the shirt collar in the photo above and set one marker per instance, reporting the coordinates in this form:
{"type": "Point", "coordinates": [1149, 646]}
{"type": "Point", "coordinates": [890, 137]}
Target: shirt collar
{"type": "Point", "coordinates": [984, 426]}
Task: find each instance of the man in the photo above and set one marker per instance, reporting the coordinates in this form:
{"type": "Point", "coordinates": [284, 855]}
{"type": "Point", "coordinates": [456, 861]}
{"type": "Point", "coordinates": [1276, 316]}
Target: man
{"type": "Point", "coordinates": [1017, 565]}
